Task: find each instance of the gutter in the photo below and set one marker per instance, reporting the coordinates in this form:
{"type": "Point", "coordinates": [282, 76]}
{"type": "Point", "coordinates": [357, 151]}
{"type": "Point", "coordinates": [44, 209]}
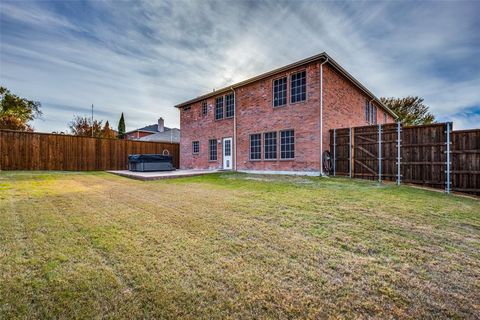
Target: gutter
{"type": "Point", "coordinates": [321, 116]}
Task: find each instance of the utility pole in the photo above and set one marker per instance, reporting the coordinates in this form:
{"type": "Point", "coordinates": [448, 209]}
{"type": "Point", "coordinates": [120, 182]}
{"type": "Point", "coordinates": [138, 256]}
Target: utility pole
{"type": "Point", "coordinates": [92, 120]}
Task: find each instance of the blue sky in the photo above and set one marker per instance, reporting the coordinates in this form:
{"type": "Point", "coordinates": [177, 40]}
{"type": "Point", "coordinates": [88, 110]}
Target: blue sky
{"type": "Point", "coordinates": [143, 57]}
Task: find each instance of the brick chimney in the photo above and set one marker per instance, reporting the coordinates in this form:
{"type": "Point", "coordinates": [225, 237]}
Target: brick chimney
{"type": "Point", "coordinates": [161, 126]}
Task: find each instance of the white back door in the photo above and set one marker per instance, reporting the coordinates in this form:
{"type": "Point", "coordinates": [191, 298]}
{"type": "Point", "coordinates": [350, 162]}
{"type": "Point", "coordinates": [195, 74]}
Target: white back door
{"type": "Point", "coordinates": [227, 153]}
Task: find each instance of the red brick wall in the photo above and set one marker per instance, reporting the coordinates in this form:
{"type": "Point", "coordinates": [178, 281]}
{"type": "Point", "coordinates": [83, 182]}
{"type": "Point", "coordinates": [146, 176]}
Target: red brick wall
{"type": "Point", "coordinates": [256, 114]}
{"type": "Point", "coordinates": [343, 107]}
{"type": "Point", "coordinates": [344, 104]}
{"type": "Point", "coordinates": [197, 127]}
{"type": "Point", "coordinates": [138, 135]}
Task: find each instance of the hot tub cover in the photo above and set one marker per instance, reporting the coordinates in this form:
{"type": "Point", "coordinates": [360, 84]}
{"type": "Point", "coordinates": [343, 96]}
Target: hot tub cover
{"type": "Point", "coordinates": [137, 158]}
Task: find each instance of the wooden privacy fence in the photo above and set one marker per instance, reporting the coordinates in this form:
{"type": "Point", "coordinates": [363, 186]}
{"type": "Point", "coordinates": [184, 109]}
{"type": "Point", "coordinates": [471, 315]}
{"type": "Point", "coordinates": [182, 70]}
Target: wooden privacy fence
{"type": "Point", "coordinates": [43, 151]}
{"type": "Point", "coordinates": [430, 155]}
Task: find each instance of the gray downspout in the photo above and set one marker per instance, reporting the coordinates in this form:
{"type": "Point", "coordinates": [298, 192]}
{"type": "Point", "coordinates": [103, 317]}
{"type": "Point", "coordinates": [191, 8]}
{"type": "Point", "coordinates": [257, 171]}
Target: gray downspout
{"type": "Point", "coordinates": [321, 116]}
{"type": "Point", "coordinates": [234, 130]}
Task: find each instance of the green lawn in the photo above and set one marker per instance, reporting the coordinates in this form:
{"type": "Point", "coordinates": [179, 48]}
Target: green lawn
{"type": "Point", "coordinates": [83, 245]}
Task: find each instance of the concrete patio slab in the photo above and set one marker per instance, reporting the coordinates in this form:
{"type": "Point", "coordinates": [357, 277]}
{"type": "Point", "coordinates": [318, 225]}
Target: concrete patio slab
{"type": "Point", "coordinates": [157, 175]}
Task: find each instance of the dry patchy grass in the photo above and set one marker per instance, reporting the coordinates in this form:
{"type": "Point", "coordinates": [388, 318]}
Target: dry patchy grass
{"type": "Point", "coordinates": [93, 245]}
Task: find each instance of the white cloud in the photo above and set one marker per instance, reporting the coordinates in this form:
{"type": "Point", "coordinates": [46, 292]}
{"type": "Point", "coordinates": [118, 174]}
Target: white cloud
{"type": "Point", "coordinates": [464, 120]}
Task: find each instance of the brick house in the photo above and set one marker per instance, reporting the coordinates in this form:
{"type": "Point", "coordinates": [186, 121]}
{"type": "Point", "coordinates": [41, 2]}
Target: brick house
{"type": "Point", "coordinates": [277, 122]}
{"type": "Point", "coordinates": [155, 132]}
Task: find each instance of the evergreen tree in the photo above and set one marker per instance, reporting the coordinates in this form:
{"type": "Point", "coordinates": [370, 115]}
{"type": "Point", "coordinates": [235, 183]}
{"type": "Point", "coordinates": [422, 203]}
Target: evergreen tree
{"type": "Point", "coordinates": [121, 128]}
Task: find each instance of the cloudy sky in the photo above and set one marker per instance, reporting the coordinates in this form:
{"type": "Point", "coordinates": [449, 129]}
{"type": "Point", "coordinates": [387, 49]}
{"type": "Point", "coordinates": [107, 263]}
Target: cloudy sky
{"type": "Point", "coordinates": [143, 57]}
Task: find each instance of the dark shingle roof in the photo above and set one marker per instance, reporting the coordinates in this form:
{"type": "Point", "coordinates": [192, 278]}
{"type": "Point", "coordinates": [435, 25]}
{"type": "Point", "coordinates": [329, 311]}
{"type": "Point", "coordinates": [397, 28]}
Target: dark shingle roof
{"type": "Point", "coordinates": [149, 128]}
{"type": "Point", "coordinates": [169, 135]}
{"type": "Point", "coordinates": [152, 127]}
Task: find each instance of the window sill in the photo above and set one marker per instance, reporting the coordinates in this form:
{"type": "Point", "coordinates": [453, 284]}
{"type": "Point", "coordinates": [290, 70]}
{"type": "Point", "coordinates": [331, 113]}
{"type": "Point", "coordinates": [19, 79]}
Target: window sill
{"type": "Point", "coordinates": [212, 160]}
{"type": "Point", "coordinates": [298, 102]}
{"type": "Point", "coordinates": [255, 160]}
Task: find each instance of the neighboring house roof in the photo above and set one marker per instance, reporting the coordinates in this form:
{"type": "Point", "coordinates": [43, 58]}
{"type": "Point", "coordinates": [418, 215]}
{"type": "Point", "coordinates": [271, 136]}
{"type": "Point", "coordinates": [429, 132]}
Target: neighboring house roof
{"type": "Point", "coordinates": [169, 135]}
{"type": "Point", "coordinates": [322, 56]}
{"type": "Point", "coordinates": [149, 128]}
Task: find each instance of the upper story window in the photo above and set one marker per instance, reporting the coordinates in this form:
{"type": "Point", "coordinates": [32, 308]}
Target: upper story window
{"type": "Point", "coordinates": [270, 145]}
{"type": "Point", "coordinates": [204, 108]}
{"type": "Point", "coordinates": [219, 108]}
{"type": "Point", "coordinates": [367, 111]}
{"type": "Point", "coordinates": [385, 118]}
{"type": "Point", "coordinates": [255, 146]}
{"type": "Point", "coordinates": [280, 92]}
{"type": "Point", "coordinates": [195, 147]}
{"type": "Point", "coordinates": [186, 108]}
{"type": "Point", "coordinates": [370, 112]}
{"type": "Point", "coordinates": [229, 105]}
{"type": "Point", "coordinates": [298, 87]}
{"type": "Point", "coordinates": [287, 144]}
{"type": "Point", "coordinates": [212, 150]}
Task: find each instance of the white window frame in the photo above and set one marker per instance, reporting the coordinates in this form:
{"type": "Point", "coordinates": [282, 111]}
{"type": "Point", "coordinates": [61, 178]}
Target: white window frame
{"type": "Point", "coordinates": [265, 158]}
{"type": "Point", "coordinates": [250, 147]}
{"type": "Point", "coordinates": [291, 87]}
{"type": "Point", "coordinates": [292, 144]}
{"type": "Point", "coordinates": [193, 147]}
{"type": "Point", "coordinates": [286, 92]}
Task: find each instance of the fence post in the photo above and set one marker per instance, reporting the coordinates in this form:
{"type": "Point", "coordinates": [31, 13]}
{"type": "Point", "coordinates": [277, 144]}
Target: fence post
{"type": "Point", "coordinates": [398, 153]}
{"type": "Point", "coordinates": [380, 153]}
{"type": "Point", "coordinates": [350, 153]}
{"type": "Point", "coordinates": [447, 187]}
{"type": "Point", "coordinates": [334, 151]}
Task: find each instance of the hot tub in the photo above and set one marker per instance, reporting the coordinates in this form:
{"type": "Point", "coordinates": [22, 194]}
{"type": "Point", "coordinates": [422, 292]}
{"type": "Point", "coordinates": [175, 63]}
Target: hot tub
{"type": "Point", "coordinates": [150, 162]}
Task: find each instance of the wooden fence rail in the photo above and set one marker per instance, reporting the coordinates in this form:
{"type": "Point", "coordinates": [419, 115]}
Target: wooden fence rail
{"type": "Point", "coordinates": [43, 151]}
{"type": "Point", "coordinates": [430, 155]}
